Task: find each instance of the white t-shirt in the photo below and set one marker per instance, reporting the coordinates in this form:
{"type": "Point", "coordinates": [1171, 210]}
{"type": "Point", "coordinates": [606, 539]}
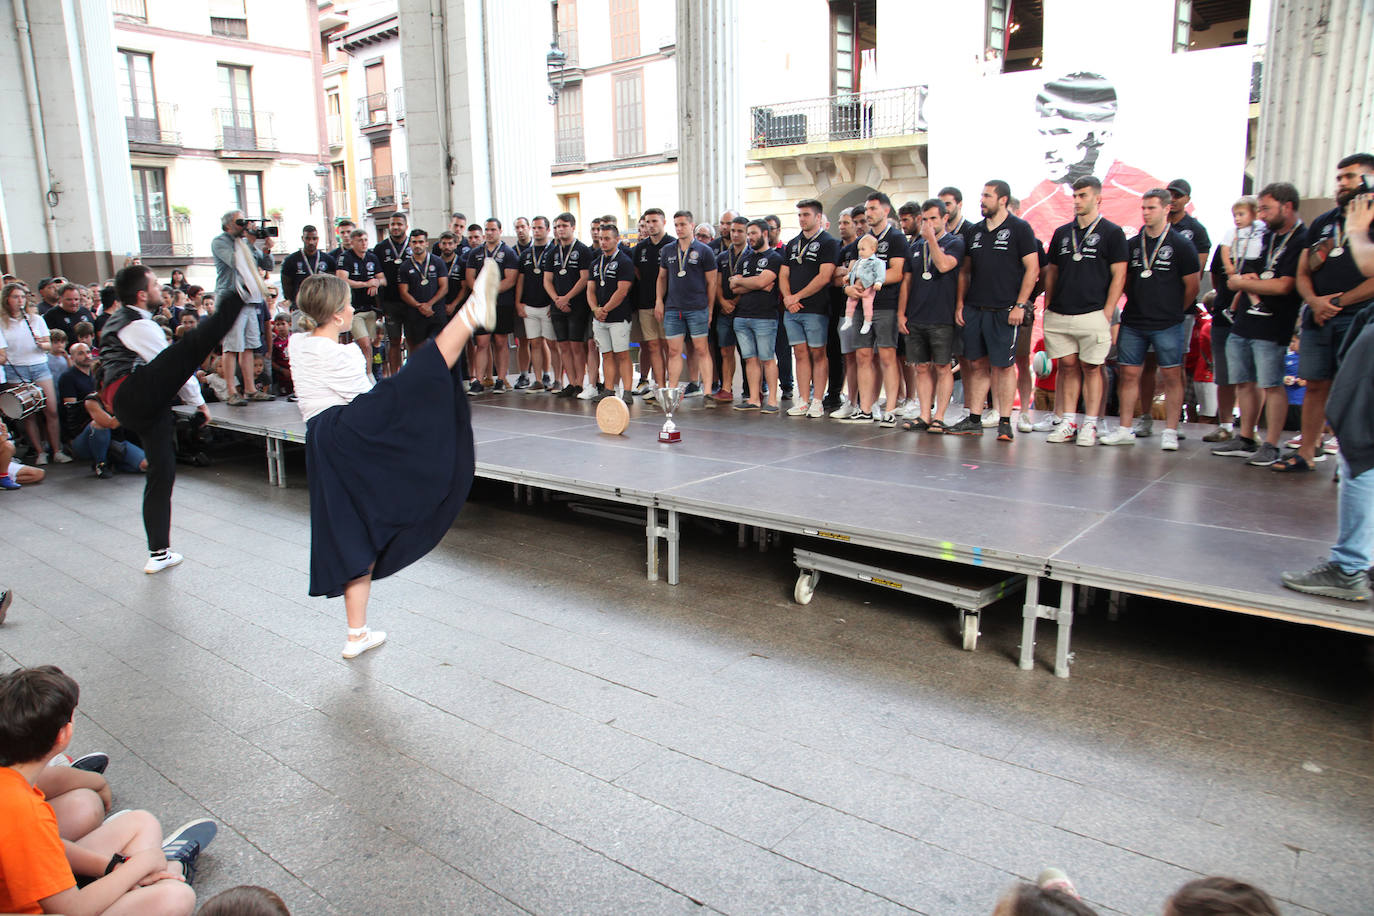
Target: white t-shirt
{"type": "Point", "coordinates": [23, 346]}
{"type": "Point", "coordinates": [325, 373]}
{"type": "Point", "coordinates": [1251, 237]}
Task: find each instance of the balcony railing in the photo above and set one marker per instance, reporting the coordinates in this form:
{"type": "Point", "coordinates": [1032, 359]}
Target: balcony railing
{"type": "Point", "coordinates": [336, 128]}
{"type": "Point", "coordinates": [567, 41]}
{"type": "Point", "coordinates": [182, 244]}
{"type": "Point", "coordinates": [244, 131]}
{"type": "Point", "coordinates": [838, 118]}
{"type": "Point", "coordinates": [404, 182]}
{"type": "Point", "coordinates": [379, 191]}
{"type": "Point", "coordinates": [157, 131]}
{"type": "Point", "coordinates": [132, 9]}
{"type": "Point", "coordinates": [398, 102]}
{"type": "Point", "coordinates": [374, 110]}
{"type": "Point", "coordinates": [569, 149]}
{"type": "Point", "coordinates": [343, 205]}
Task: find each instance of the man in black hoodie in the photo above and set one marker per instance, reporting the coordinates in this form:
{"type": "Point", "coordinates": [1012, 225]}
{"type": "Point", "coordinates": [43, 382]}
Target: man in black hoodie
{"type": "Point", "coordinates": [1350, 410]}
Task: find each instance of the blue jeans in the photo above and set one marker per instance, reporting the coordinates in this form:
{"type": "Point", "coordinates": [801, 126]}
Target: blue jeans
{"type": "Point", "coordinates": [757, 338]}
{"type": "Point", "coordinates": [681, 322]}
{"type": "Point", "coordinates": [1352, 551]}
{"type": "Point", "coordinates": [94, 444]}
{"type": "Point", "coordinates": [1168, 344]}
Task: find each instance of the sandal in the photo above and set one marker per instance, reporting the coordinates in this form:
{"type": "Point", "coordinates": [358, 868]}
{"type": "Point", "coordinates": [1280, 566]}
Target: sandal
{"type": "Point", "coordinates": [916, 425]}
{"type": "Point", "coordinates": [937, 427]}
{"type": "Point", "coordinates": [1291, 463]}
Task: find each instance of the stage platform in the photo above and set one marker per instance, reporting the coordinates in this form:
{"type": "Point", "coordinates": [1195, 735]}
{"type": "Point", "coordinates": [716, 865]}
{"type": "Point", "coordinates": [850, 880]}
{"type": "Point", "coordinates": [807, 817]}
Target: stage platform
{"type": "Point", "coordinates": [1183, 526]}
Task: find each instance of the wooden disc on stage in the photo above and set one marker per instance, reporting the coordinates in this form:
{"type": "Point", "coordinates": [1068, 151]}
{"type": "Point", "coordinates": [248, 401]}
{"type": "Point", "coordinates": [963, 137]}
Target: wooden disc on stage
{"type": "Point", "coordinates": [612, 416]}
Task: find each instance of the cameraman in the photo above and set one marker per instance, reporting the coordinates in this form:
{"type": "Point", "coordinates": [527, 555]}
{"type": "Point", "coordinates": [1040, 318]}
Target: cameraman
{"type": "Point", "coordinates": [241, 281]}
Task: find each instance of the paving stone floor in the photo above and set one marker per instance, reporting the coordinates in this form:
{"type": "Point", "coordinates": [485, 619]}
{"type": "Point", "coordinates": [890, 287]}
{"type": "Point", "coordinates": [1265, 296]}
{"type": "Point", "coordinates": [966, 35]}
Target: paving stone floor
{"type": "Point", "coordinates": [547, 732]}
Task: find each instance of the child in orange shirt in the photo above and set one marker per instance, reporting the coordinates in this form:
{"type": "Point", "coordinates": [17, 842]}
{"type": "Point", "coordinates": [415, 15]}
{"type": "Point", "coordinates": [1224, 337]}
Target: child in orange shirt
{"type": "Point", "coordinates": [134, 872]}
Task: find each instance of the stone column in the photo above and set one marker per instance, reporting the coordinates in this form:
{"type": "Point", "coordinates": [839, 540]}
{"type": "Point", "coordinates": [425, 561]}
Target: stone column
{"type": "Point", "coordinates": [710, 120]}
{"type": "Point", "coordinates": [1315, 104]}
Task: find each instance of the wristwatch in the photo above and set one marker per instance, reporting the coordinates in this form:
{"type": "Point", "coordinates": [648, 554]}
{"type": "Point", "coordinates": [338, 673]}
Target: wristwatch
{"type": "Point", "coordinates": [1336, 300]}
{"type": "Point", "coordinates": [1019, 305]}
{"type": "Point", "coordinates": [116, 860]}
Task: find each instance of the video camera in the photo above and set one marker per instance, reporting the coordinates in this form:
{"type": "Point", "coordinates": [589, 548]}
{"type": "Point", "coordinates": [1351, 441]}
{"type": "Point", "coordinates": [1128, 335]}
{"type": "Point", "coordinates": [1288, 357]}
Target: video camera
{"type": "Point", "coordinates": [256, 229]}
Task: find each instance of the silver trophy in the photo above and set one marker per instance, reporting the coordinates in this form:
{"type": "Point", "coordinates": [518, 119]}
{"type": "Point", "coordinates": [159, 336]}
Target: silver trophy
{"type": "Point", "coordinates": [669, 399]}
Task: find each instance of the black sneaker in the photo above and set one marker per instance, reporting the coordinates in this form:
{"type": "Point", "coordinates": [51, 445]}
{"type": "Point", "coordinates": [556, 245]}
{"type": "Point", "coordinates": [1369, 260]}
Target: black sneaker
{"type": "Point", "coordinates": [568, 391]}
{"type": "Point", "coordinates": [786, 394]}
{"type": "Point", "coordinates": [475, 387]}
{"type": "Point", "coordinates": [1004, 433]}
{"type": "Point", "coordinates": [500, 385]}
{"type": "Point", "coordinates": [1239, 447]}
{"type": "Point", "coordinates": [522, 382]}
{"type": "Point", "coordinates": [972, 425]}
{"type": "Point", "coordinates": [95, 762]}
{"type": "Point", "coordinates": [103, 471]}
{"type": "Point", "coordinates": [1264, 456]}
{"type": "Point", "coordinates": [858, 416]}
{"type": "Point", "coordinates": [1330, 581]}
{"type": "Point", "coordinates": [692, 391]}
{"type": "Point", "coordinates": [185, 844]}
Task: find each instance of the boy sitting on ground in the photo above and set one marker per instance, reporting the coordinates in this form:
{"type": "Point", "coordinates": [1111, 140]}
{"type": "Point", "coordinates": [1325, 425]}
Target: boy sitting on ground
{"type": "Point", "coordinates": [133, 873]}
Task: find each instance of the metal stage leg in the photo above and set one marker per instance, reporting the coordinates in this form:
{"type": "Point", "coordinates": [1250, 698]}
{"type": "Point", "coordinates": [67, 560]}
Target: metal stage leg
{"type": "Point", "coordinates": [281, 462]}
{"type": "Point", "coordinates": [1062, 615]}
{"type": "Point", "coordinates": [651, 537]}
{"type": "Point", "coordinates": [1030, 612]}
{"type": "Point", "coordinates": [673, 535]}
{"type": "Point", "coordinates": [271, 463]}
{"type": "Point", "coordinates": [743, 535]}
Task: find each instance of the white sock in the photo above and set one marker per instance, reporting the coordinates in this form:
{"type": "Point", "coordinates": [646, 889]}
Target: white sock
{"type": "Point", "coordinates": [1089, 421]}
{"type": "Point", "coordinates": [1229, 427]}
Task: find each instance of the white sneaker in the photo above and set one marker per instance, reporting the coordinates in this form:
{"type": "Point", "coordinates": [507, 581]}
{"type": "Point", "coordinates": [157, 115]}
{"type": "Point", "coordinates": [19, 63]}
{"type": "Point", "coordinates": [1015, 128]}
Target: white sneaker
{"type": "Point", "coordinates": [1119, 436]}
{"type": "Point", "coordinates": [990, 418]}
{"type": "Point", "coordinates": [155, 565]}
{"type": "Point", "coordinates": [1023, 423]}
{"type": "Point", "coordinates": [817, 410]}
{"type": "Point", "coordinates": [62, 457]}
{"type": "Point", "coordinates": [1087, 436]}
{"type": "Point", "coordinates": [41, 460]}
{"type": "Point", "coordinates": [1168, 440]}
{"type": "Point", "coordinates": [908, 409]}
{"type": "Point", "coordinates": [1046, 423]}
{"type": "Point", "coordinates": [587, 393]}
{"type": "Point", "coordinates": [843, 412]}
{"type": "Point", "coordinates": [797, 410]}
{"type": "Point", "coordinates": [1143, 427]}
{"type": "Point", "coordinates": [371, 640]}
{"type": "Point", "coordinates": [1064, 432]}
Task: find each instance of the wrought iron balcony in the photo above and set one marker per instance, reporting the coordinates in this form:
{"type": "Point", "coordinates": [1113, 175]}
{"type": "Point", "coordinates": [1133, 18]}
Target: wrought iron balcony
{"type": "Point", "coordinates": [374, 110]}
{"type": "Point", "coordinates": [242, 130]}
{"type": "Point", "coordinates": [156, 131]}
{"type": "Point", "coordinates": [844, 117]}
{"type": "Point", "coordinates": [398, 102]}
{"type": "Point", "coordinates": [379, 191]}
{"type": "Point", "coordinates": [569, 148]}
{"type": "Point", "coordinates": [335, 126]}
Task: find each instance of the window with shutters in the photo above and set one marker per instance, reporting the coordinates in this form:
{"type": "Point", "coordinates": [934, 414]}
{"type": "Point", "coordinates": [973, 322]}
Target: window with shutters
{"type": "Point", "coordinates": [628, 89]}
{"type": "Point", "coordinates": [624, 29]}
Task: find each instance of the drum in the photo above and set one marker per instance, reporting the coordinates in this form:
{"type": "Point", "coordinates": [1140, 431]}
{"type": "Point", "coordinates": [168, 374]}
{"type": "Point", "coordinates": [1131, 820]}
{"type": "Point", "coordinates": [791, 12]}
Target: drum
{"type": "Point", "coordinates": [21, 401]}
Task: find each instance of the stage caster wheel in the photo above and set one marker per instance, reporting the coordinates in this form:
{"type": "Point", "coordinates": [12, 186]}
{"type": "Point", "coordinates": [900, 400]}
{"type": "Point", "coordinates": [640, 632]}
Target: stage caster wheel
{"type": "Point", "coordinates": [969, 626]}
{"type": "Point", "coordinates": [806, 587]}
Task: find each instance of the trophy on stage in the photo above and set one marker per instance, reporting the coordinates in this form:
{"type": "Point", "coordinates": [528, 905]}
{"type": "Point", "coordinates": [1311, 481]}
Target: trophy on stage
{"type": "Point", "coordinates": [669, 399]}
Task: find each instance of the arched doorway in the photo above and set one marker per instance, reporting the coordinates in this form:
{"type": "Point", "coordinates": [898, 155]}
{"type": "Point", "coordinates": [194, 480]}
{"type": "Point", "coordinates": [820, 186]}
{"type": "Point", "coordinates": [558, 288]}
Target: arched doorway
{"type": "Point", "coordinates": [842, 196]}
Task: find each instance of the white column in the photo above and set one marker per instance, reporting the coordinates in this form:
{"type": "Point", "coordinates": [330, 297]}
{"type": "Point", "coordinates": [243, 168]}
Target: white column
{"type": "Point", "coordinates": [1315, 105]}
{"type": "Point", "coordinates": [710, 131]}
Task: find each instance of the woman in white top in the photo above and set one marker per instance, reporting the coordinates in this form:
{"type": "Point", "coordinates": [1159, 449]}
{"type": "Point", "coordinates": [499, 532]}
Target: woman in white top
{"type": "Point", "coordinates": [27, 361]}
{"type": "Point", "coordinates": [410, 430]}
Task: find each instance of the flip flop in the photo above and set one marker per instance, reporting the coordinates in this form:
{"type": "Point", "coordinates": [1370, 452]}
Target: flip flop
{"type": "Point", "coordinates": [1291, 463]}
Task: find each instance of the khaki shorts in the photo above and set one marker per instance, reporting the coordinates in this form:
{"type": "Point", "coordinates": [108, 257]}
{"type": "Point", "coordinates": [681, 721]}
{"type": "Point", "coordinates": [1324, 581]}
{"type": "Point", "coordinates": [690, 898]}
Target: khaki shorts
{"type": "Point", "coordinates": [645, 326]}
{"type": "Point", "coordinates": [364, 325]}
{"type": "Point", "coordinates": [1088, 335]}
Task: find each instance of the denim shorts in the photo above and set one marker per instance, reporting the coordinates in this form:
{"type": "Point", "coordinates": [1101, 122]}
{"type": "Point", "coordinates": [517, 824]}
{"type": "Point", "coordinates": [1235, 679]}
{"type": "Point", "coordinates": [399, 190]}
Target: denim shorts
{"type": "Point", "coordinates": [1319, 352]}
{"type": "Point", "coordinates": [757, 338]}
{"type": "Point", "coordinates": [31, 374]}
{"type": "Point", "coordinates": [245, 335]}
{"type": "Point", "coordinates": [806, 328]}
{"type": "Point", "coordinates": [1167, 343]}
{"type": "Point", "coordinates": [1259, 361]}
{"type": "Point", "coordinates": [725, 330]}
{"type": "Point", "coordinates": [679, 322]}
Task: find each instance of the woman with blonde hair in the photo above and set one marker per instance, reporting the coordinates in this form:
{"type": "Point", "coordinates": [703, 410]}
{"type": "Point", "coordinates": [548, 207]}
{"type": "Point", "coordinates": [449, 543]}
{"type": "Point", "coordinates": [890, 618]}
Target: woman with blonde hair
{"type": "Point", "coordinates": [27, 361]}
{"type": "Point", "coordinates": [411, 428]}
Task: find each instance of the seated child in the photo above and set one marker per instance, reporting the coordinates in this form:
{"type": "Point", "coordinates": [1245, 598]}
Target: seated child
{"type": "Point", "coordinates": [133, 870]}
{"type": "Point", "coordinates": [866, 276]}
{"type": "Point", "coordinates": [281, 360]}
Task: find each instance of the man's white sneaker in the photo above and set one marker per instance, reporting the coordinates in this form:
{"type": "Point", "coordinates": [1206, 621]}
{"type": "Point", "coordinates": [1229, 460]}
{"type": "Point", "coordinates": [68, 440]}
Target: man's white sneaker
{"type": "Point", "coordinates": [42, 460]}
{"type": "Point", "coordinates": [1064, 432]}
{"type": "Point", "coordinates": [1143, 427]}
{"type": "Point", "coordinates": [1119, 436]}
{"type": "Point", "coordinates": [1046, 423]}
{"type": "Point", "coordinates": [1087, 436]}
{"type": "Point", "coordinates": [61, 457]}
{"type": "Point", "coordinates": [797, 410]}
{"type": "Point", "coordinates": [1024, 424]}
{"type": "Point", "coordinates": [817, 410]}
{"type": "Point", "coordinates": [843, 412]}
{"type": "Point", "coordinates": [157, 564]}
{"type": "Point", "coordinates": [990, 418]}
{"type": "Point", "coordinates": [587, 393]}
{"type": "Point", "coordinates": [1168, 440]}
